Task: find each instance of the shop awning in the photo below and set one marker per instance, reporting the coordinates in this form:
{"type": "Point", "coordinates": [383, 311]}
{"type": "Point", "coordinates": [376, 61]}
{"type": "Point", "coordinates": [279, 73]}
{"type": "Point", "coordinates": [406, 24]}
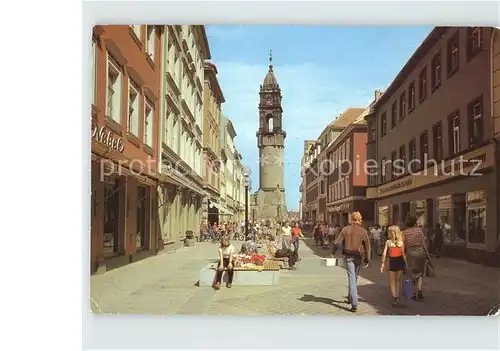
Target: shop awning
{"type": "Point", "coordinates": [222, 209]}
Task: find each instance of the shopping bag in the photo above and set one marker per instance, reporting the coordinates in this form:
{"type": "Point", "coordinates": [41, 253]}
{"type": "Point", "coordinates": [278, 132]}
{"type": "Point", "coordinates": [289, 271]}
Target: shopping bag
{"type": "Point", "coordinates": [407, 288]}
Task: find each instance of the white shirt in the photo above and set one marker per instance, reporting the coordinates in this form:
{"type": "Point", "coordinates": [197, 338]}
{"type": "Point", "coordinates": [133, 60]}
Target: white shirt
{"type": "Point", "coordinates": [287, 230]}
{"type": "Point", "coordinates": [376, 234]}
{"type": "Point", "coordinates": [226, 251]}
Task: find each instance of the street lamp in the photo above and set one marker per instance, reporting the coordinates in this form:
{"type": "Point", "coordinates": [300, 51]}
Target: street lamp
{"type": "Point", "coordinates": [278, 202]}
{"type": "Point", "coordinates": [246, 182]}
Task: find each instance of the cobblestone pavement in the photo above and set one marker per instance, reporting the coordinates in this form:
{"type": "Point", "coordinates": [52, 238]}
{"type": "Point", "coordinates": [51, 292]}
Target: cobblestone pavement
{"type": "Point", "coordinates": [166, 284]}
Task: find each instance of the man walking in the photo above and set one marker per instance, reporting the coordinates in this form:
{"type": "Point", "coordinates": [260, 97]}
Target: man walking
{"type": "Point", "coordinates": [356, 249]}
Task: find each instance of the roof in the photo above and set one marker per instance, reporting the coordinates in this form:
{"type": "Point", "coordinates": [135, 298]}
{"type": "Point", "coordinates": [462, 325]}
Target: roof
{"type": "Point", "coordinates": [270, 79]}
{"type": "Point", "coordinates": [347, 117]}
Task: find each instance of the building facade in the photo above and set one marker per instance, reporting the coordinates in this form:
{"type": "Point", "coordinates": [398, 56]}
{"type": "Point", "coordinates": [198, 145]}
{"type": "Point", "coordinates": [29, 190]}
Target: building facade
{"type": "Point", "coordinates": [212, 110]}
{"type": "Point", "coordinates": [310, 180]}
{"type": "Point", "coordinates": [347, 177]}
{"type": "Point", "coordinates": [185, 49]}
{"type": "Point", "coordinates": [436, 120]}
{"type": "Point", "coordinates": [271, 198]}
{"type": "Point", "coordinates": [126, 95]}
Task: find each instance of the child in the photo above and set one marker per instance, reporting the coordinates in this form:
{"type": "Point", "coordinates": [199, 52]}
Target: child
{"type": "Point", "coordinates": [394, 248]}
{"type": "Point", "coordinates": [226, 251]}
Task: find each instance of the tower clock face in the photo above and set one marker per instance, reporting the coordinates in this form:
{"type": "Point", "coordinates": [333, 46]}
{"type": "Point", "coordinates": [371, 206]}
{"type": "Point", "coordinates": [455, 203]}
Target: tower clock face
{"type": "Point", "coordinates": [269, 100]}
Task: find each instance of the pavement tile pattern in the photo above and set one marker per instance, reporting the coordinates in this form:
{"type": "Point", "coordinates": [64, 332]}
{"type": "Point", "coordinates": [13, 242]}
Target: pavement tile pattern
{"type": "Point", "coordinates": [166, 284]}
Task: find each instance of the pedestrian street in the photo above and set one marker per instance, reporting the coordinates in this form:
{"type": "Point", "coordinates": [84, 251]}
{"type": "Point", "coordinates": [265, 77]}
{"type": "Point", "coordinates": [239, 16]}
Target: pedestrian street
{"type": "Point", "coordinates": [167, 284]}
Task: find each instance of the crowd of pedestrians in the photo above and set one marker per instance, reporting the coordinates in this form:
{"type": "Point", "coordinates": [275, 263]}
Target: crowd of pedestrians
{"type": "Point", "coordinates": [404, 250]}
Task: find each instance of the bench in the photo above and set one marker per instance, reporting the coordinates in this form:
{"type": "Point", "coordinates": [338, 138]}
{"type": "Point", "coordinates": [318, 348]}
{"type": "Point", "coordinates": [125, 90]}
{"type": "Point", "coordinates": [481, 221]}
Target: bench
{"type": "Point", "coordinates": [269, 275]}
{"type": "Point", "coordinates": [282, 260]}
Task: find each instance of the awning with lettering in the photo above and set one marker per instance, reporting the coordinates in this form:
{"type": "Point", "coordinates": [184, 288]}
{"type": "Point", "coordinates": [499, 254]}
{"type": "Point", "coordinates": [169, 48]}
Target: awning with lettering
{"type": "Point", "coordinates": [222, 209]}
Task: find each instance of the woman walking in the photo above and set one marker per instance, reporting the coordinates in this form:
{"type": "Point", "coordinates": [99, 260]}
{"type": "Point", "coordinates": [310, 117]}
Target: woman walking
{"type": "Point", "coordinates": [416, 253]}
{"type": "Point", "coordinates": [395, 250]}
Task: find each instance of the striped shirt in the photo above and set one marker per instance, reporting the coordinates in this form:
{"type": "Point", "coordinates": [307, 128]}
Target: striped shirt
{"type": "Point", "coordinates": [414, 237]}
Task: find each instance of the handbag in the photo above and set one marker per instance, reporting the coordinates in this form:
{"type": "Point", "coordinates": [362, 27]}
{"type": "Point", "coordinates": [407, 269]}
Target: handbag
{"type": "Point", "coordinates": [430, 271]}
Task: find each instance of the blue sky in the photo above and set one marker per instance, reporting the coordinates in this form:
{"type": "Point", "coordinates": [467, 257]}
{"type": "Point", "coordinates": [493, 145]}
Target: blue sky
{"type": "Point", "coordinates": [321, 72]}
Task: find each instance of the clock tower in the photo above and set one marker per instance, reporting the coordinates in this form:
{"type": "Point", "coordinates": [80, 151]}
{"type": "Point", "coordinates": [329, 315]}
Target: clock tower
{"type": "Point", "coordinates": [271, 200]}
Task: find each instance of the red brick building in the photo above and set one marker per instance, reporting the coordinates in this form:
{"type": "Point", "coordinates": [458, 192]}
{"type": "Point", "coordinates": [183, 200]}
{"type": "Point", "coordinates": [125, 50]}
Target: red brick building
{"type": "Point", "coordinates": [125, 114]}
{"type": "Point", "coordinates": [347, 179]}
{"type": "Point", "coordinates": [439, 107]}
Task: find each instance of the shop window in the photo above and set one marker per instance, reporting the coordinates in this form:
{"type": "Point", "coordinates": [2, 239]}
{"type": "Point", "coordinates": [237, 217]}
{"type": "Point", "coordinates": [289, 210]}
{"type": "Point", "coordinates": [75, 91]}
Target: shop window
{"type": "Point", "coordinates": [111, 217]}
{"type": "Point", "coordinates": [476, 217]}
{"type": "Point", "coordinates": [459, 219]}
{"type": "Point", "coordinates": [383, 215]}
{"type": "Point", "coordinates": [141, 217]}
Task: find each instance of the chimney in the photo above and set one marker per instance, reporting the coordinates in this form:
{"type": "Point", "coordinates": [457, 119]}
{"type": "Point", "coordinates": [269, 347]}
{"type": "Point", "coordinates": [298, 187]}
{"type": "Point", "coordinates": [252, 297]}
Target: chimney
{"type": "Point", "coordinates": [378, 94]}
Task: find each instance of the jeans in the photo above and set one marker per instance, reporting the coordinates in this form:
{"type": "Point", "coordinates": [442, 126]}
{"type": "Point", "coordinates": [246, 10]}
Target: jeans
{"type": "Point", "coordinates": [296, 245]}
{"type": "Point", "coordinates": [353, 267]}
{"type": "Point", "coordinates": [230, 272]}
{"type": "Point", "coordinates": [375, 247]}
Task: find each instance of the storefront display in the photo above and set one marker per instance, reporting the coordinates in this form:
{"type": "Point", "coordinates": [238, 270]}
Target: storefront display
{"type": "Point", "coordinates": [111, 216]}
{"type": "Point", "coordinates": [383, 215]}
{"type": "Point", "coordinates": [476, 217]}
{"type": "Point", "coordinates": [443, 207]}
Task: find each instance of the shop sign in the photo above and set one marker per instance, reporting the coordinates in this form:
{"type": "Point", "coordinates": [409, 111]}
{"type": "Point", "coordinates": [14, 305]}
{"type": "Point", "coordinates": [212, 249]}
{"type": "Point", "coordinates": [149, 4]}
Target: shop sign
{"type": "Point", "coordinates": [398, 186]}
{"type": "Point", "coordinates": [339, 208]}
{"type": "Point", "coordinates": [106, 137]}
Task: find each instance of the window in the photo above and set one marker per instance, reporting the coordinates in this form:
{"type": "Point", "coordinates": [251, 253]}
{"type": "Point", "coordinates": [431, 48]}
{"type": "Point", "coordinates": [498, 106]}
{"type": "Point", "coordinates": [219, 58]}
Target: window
{"type": "Point", "coordinates": [141, 216]}
{"type": "Point", "coordinates": [347, 186]}
{"type": "Point", "coordinates": [394, 114]}
{"type": "Point", "coordinates": [94, 64]}
{"type": "Point", "coordinates": [393, 161]}
{"type": "Point", "coordinates": [402, 157]}
{"type": "Point", "coordinates": [452, 54]}
{"type": "Point", "coordinates": [371, 128]}
{"type": "Point", "coordinates": [436, 72]}
{"type": "Point", "coordinates": [454, 132]}
{"type": "Point", "coordinates": [402, 106]}
{"type": "Point", "coordinates": [475, 118]}
{"type": "Point", "coordinates": [133, 109]}
{"type": "Point", "coordinates": [382, 169]}
{"type": "Point", "coordinates": [424, 147]}
{"type": "Point", "coordinates": [136, 28]}
{"type": "Point", "coordinates": [114, 77]}
{"type": "Point", "coordinates": [322, 187]}
{"type": "Point", "coordinates": [438, 142]}
{"type": "Point", "coordinates": [474, 41]}
{"type": "Point", "coordinates": [148, 123]}
{"type": "Point", "coordinates": [411, 97]}
{"type": "Point", "coordinates": [412, 150]}
{"type": "Point", "coordinates": [150, 42]}
{"type": "Point", "coordinates": [422, 84]}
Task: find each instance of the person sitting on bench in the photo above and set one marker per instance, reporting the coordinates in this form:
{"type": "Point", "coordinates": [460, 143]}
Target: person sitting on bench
{"type": "Point", "coordinates": [226, 251]}
{"type": "Point", "coordinates": [281, 253]}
